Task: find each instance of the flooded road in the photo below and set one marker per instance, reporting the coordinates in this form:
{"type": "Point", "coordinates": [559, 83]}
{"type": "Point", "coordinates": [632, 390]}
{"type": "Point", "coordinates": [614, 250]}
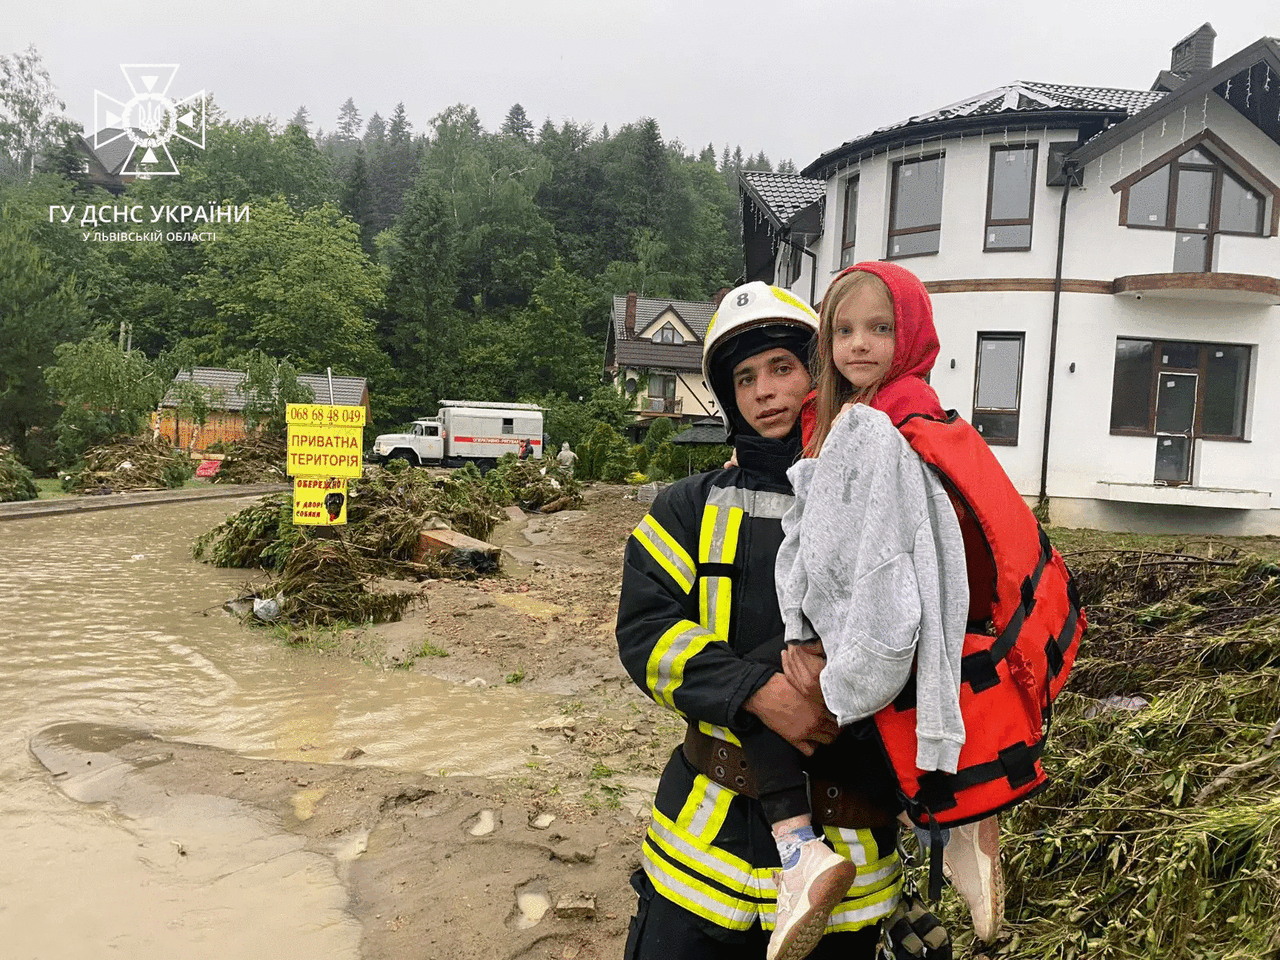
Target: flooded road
{"type": "Point", "coordinates": [104, 618]}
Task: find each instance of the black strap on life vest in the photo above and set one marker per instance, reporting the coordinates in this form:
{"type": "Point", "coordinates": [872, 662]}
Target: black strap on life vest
{"type": "Point", "coordinates": [979, 669]}
{"type": "Point", "coordinates": [1016, 763]}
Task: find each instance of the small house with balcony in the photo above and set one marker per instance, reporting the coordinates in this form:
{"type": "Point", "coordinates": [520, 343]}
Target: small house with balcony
{"type": "Point", "coordinates": [655, 352]}
{"type": "Point", "coordinates": [1105, 272]}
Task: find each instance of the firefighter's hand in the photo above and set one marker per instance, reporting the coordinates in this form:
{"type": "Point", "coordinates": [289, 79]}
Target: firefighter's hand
{"type": "Point", "coordinates": [732, 461]}
{"type": "Point", "coordinates": [802, 663]}
{"type": "Point", "coordinates": [792, 715]}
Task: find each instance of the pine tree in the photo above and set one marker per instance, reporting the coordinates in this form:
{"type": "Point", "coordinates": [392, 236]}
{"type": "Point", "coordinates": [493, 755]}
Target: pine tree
{"type": "Point", "coordinates": [349, 121]}
{"type": "Point", "coordinates": [302, 119]}
{"type": "Point", "coordinates": [517, 124]}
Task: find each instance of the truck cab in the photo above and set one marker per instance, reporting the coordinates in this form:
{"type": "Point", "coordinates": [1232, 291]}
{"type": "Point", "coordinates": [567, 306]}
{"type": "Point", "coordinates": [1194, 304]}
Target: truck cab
{"type": "Point", "coordinates": [422, 444]}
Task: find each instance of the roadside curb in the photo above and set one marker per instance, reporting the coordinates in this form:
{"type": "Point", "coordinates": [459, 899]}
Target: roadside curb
{"type": "Point", "coordinates": [26, 509]}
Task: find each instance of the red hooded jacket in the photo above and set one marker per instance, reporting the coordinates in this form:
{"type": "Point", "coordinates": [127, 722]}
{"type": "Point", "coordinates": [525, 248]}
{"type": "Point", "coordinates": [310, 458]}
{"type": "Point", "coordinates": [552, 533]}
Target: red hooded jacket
{"type": "Point", "coordinates": [904, 391]}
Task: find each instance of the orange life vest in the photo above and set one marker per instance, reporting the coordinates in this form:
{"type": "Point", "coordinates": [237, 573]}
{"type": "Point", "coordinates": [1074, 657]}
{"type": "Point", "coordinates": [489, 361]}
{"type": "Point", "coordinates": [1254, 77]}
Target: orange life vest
{"type": "Point", "coordinates": [1025, 625]}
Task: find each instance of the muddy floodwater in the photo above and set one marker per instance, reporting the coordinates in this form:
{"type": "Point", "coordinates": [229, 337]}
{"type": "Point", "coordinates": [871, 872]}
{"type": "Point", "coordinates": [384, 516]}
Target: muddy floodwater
{"type": "Point", "coordinates": [105, 619]}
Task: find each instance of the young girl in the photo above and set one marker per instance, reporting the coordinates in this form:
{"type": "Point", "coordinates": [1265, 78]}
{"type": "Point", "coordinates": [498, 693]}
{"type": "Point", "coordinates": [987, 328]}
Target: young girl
{"type": "Point", "coordinates": [873, 565]}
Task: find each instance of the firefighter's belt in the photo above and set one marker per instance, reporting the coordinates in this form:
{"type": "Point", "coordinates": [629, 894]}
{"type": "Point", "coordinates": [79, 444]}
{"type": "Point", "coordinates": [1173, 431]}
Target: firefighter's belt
{"type": "Point", "coordinates": [833, 804]}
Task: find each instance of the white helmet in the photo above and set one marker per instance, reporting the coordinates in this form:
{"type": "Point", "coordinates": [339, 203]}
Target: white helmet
{"type": "Point", "coordinates": [752, 318]}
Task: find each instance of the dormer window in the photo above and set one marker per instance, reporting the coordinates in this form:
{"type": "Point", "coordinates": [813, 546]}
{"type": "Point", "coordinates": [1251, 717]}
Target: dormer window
{"type": "Point", "coordinates": [1195, 193]}
{"type": "Point", "coordinates": [668, 334]}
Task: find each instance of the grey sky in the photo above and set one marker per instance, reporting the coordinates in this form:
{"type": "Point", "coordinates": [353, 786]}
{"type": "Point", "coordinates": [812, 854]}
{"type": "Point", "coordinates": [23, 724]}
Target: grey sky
{"type": "Point", "coordinates": [791, 77]}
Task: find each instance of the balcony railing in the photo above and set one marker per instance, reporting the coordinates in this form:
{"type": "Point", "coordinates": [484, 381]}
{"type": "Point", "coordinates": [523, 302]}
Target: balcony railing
{"type": "Point", "coordinates": [672, 405]}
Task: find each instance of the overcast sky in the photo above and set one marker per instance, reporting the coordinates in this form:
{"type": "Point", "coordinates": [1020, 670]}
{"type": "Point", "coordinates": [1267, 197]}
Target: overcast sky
{"type": "Point", "coordinates": [791, 77]}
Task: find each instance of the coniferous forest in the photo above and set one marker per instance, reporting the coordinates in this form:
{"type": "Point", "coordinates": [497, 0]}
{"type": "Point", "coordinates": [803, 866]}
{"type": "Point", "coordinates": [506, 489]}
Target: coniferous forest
{"type": "Point", "coordinates": [434, 257]}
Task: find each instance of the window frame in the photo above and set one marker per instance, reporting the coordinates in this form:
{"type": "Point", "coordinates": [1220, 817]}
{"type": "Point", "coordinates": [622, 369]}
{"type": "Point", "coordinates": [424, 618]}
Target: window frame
{"type": "Point", "coordinates": [1029, 220]}
{"type": "Point", "coordinates": [1224, 163]}
{"type": "Point", "coordinates": [894, 180]}
{"type": "Point", "coordinates": [1201, 370]}
{"type": "Point", "coordinates": [1020, 338]}
{"type": "Point", "coordinates": [674, 339]}
{"type": "Point", "coordinates": [849, 232]}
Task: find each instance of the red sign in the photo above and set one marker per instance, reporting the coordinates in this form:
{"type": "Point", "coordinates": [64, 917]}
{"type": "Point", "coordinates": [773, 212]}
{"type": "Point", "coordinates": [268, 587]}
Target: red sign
{"type": "Point", "coordinates": [208, 468]}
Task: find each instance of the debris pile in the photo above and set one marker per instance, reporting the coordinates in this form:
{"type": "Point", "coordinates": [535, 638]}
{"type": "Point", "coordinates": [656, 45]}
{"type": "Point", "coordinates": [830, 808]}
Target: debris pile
{"type": "Point", "coordinates": [16, 482]}
{"type": "Point", "coordinates": [256, 459]}
{"type": "Point", "coordinates": [130, 463]}
{"type": "Point", "coordinates": [324, 580]}
{"type": "Point", "coordinates": [1159, 833]}
{"type": "Point", "coordinates": [542, 485]}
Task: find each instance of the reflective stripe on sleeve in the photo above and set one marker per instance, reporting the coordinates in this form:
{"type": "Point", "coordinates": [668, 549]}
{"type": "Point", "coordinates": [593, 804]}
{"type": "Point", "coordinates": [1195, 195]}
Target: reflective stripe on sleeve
{"type": "Point", "coordinates": [666, 551]}
{"type": "Point", "coordinates": [764, 504]}
{"type": "Point", "coordinates": [718, 543]}
{"type": "Point", "coordinates": [670, 654]}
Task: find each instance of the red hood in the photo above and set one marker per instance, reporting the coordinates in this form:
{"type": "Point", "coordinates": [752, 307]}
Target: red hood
{"type": "Point", "coordinates": [904, 391]}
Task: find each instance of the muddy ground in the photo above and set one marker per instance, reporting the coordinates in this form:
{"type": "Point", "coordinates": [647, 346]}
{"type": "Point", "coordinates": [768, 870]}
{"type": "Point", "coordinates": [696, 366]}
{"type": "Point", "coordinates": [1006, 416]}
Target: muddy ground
{"type": "Point", "coordinates": [534, 864]}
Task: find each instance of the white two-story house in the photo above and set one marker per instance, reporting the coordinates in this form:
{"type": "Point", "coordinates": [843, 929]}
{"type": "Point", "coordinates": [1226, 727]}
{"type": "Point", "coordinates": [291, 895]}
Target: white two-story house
{"type": "Point", "coordinates": [1105, 272]}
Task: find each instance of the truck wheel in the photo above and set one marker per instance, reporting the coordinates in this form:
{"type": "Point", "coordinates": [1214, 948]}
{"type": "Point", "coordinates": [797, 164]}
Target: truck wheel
{"type": "Point", "coordinates": [404, 455]}
{"type": "Point", "coordinates": [486, 465]}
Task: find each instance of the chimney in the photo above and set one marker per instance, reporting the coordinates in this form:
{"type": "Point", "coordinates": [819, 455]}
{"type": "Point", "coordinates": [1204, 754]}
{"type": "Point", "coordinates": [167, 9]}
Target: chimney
{"type": "Point", "coordinates": [630, 324]}
{"type": "Point", "coordinates": [1194, 53]}
{"type": "Point", "coordinates": [720, 295]}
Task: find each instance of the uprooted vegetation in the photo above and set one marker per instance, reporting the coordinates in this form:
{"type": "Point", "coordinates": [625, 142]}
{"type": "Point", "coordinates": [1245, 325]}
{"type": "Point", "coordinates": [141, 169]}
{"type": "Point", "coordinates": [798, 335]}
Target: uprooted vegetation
{"type": "Point", "coordinates": [1159, 833]}
{"type": "Point", "coordinates": [331, 578]}
{"type": "Point", "coordinates": [256, 459]}
{"type": "Point", "coordinates": [16, 482]}
{"type": "Point", "coordinates": [129, 464]}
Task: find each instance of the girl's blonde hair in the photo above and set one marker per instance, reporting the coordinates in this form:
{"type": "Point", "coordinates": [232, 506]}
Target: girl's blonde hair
{"type": "Point", "coordinates": [834, 391]}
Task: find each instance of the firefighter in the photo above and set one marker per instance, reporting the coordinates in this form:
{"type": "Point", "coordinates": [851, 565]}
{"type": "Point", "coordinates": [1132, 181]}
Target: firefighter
{"type": "Point", "coordinates": [699, 630]}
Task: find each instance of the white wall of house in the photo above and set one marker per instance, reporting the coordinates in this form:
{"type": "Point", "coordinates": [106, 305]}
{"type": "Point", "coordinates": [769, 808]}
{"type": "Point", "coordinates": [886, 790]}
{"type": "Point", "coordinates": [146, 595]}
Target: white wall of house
{"type": "Point", "coordinates": [1095, 478]}
{"type": "Point", "coordinates": [693, 397]}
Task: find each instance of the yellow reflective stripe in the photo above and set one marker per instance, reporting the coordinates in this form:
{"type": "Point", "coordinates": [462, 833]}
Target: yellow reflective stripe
{"type": "Point", "coordinates": [709, 516]}
{"type": "Point", "coordinates": [710, 861]}
{"type": "Point", "coordinates": [704, 809]}
{"type": "Point", "coordinates": [666, 663]}
{"type": "Point", "coordinates": [720, 733]}
{"type": "Point", "coordinates": [666, 551]}
{"type": "Point", "coordinates": [854, 915]}
{"type": "Point", "coordinates": [699, 898]}
{"type": "Point", "coordinates": [718, 543]}
{"type": "Point", "coordinates": [729, 551]}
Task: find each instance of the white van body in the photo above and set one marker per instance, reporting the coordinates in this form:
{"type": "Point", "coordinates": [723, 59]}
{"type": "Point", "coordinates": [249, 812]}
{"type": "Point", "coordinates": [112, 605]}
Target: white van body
{"type": "Point", "coordinates": [465, 431]}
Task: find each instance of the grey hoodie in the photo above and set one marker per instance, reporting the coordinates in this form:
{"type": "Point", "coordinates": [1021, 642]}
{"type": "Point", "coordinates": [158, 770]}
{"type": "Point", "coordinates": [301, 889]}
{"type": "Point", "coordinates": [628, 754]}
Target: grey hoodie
{"type": "Point", "coordinates": [873, 564]}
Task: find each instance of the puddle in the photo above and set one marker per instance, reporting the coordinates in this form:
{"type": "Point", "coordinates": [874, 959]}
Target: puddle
{"type": "Point", "coordinates": [532, 904]}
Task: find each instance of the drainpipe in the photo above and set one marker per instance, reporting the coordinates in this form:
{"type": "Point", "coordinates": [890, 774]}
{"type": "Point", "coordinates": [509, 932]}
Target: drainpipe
{"type": "Point", "coordinates": [1042, 507]}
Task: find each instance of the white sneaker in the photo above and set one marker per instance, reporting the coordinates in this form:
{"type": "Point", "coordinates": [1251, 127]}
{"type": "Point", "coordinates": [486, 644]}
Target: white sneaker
{"type": "Point", "coordinates": [971, 860]}
{"type": "Point", "coordinates": [807, 893]}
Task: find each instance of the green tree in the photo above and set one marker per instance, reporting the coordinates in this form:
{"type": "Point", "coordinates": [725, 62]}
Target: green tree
{"type": "Point", "coordinates": [31, 113]}
{"type": "Point", "coordinates": [38, 311]}
{"type": "Point", "coordinates": [296, 286]}
{"type": "Point", "coordinates": [420, 328]}
{"type": "Point", "coordinates": [269, 386]}
{"type": "Point", "coordinates": [517, 124]}
{"type": "Point", "coordinates": [103, 390]}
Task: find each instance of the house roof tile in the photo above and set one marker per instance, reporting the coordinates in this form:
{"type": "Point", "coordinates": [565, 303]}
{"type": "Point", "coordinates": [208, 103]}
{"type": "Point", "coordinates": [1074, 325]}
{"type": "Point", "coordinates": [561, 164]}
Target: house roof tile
{"type": "Point", "coordinates": [1021, 97]}
{"type": "Point", "coordinates": [696, 314]}
{"type": "Point", "coordinates": [347, 391]}
{"type": "Point", "coordinates": [647, 355]}
{"type": "Point", "coordinates": [784, 194]}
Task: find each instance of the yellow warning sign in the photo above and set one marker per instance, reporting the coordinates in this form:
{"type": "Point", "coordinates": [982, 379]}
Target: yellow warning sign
{"type": "Point", "coordinates": [323, 415]}
{"type": "Point", "coordinates": [325, 451]}
{"type": "Point", "coordinates": [319, 501]}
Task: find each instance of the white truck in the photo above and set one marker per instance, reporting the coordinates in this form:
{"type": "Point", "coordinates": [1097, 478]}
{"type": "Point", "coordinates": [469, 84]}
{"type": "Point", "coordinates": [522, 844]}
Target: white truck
{"type": "Point", "coordinates": [465, 431]}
